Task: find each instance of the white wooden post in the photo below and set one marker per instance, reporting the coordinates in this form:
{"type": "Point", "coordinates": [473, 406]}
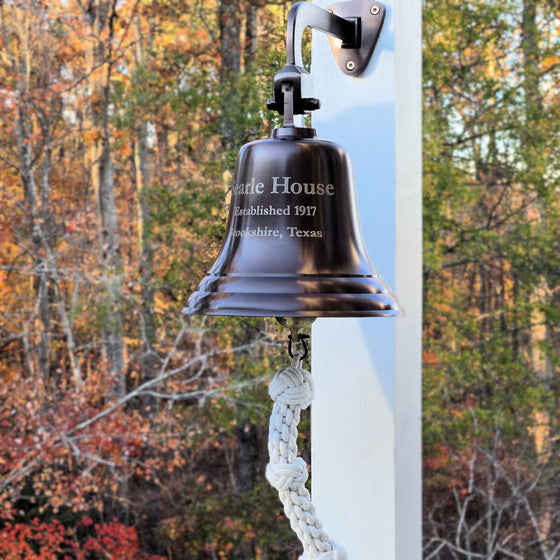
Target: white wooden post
{"type": "Point", "coordinates": [366, 425]}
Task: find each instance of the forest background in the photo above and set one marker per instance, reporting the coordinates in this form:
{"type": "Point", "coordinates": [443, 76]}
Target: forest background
{"type": "Point", "coordinates": [130, 431]}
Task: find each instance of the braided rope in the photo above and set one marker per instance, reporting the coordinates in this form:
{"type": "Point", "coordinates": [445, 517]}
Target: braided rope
{"type": "Point", "coordinates": [291, 389]}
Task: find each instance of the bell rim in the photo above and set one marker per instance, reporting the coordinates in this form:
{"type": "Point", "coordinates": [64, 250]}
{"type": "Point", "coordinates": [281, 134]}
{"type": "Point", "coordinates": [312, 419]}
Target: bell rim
{"type": "Point", "coordinates": [329, 314]}
{"type": "Point", "coordinates": [294, 284]}
{"type": "Point", "coordinates": [308, 304]}
{"type": "Point", "coordinates": [291, 275]}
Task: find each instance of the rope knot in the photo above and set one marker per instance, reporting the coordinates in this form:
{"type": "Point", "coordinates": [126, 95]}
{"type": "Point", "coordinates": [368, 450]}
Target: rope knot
{"type": "Point", "coordinates": [292, 386]}
{"type": "Point", "coordinates": [287, 476]}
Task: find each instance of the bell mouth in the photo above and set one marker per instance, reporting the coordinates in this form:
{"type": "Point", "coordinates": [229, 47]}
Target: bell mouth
{"type": "Point", "coordinates": [290, 295]}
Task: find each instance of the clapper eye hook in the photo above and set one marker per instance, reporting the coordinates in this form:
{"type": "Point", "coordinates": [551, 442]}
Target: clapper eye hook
{"type": "Point", "coordinates": [301, 340]}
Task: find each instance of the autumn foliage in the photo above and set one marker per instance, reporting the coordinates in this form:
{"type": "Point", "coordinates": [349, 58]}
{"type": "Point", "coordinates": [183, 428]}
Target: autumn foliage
{"type": "Point", "coordinates": [491, 268]}
{"type": "Point", "coordinates": [123, 425]}
{"type": "Point", "coordinates": [130, 431]}
{"type": "Point", "coordinates": [38, 540]}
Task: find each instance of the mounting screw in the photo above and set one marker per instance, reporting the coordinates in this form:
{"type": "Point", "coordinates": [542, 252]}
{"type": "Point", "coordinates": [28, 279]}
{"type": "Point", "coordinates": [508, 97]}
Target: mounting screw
{"type": "Point", "coordinates": [350, 65]}
{"type": "Point", "coordinates": [374, 10]}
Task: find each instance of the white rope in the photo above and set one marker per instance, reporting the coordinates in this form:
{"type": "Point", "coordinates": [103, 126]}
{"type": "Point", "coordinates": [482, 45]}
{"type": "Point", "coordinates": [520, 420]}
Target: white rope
{"type": "Point", "coordinates": [291, 389]}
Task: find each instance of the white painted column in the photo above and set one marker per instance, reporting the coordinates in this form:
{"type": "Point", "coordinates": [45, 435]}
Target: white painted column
{"type": "Point", "coordinates": [366, 415]}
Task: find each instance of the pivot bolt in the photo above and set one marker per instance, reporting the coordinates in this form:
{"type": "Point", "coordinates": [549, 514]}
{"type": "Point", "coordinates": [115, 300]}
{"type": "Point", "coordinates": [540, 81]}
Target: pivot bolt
{"type": "Point", "coordinates": [374, 10]}
{"type": "Point", "coordinates": [350, 65]}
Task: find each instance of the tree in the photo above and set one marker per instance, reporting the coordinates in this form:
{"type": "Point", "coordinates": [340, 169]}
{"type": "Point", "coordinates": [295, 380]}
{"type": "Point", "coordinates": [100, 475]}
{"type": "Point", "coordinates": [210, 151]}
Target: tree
{"type": "Point", "coordinates": [113, 180]}
{"type": "Point", "coordinates": [491, 247]}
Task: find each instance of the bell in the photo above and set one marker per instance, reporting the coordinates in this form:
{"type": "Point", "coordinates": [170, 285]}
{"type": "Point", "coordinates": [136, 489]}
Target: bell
{"type": "Point", "coordinates": [293, 246]}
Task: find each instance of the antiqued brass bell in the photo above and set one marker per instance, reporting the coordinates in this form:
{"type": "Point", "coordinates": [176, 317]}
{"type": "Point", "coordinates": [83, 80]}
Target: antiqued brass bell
{"type": "Point", "coordinates": [293, 246]}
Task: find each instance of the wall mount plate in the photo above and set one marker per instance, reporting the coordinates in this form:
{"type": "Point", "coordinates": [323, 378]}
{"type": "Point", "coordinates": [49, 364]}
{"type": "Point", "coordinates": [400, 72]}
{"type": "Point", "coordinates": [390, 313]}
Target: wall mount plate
{"type": "Point", "coordinates": [371, 15]}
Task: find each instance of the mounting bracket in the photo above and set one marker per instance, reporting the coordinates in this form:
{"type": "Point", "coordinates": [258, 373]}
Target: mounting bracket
{"type": "Point", "coordinates": [354, 27]}
{"type": "Point", "coordinates": [353, 60]}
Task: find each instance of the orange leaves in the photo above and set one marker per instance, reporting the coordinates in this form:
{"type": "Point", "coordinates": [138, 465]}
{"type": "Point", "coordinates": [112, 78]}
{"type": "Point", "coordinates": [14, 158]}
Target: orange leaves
{"type": "Point", "coordinates": [33, 541]}
{"type": "Point", "coordinates": [63, 450]}
{"type": "Point", "coordinates": [41, 448]}
{"type": "Point", "coordinates": [135, 99]}
{"type": "Point", "coordinates": [114, 540]}
{"type": "Point", "coordinates": [436, 458]}
{"type": "Point", "coordinates": [39, 540]}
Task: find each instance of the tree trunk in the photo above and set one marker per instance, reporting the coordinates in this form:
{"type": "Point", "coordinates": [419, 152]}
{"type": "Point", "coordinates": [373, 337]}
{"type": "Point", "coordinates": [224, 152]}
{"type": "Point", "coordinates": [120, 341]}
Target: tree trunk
{"type": "Point", "coordinates": [251, 34]}
{"type": "Point", "coordinates": [230, 38]}
{"type": "Point", "coordinates": [101, 15]}
{"type": "Point", "coordinates": [247, 456]}
{"type": "Point", "coordinates": [533, 142]}
{"type": "Point", "coordinates": [149, 359]}
{"type": "Point", "coordinates": [142, 176]}
{"type": "Point", "coordinates": [36, 205]}
{"type": "Point", "coordinates": [229, 14]}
